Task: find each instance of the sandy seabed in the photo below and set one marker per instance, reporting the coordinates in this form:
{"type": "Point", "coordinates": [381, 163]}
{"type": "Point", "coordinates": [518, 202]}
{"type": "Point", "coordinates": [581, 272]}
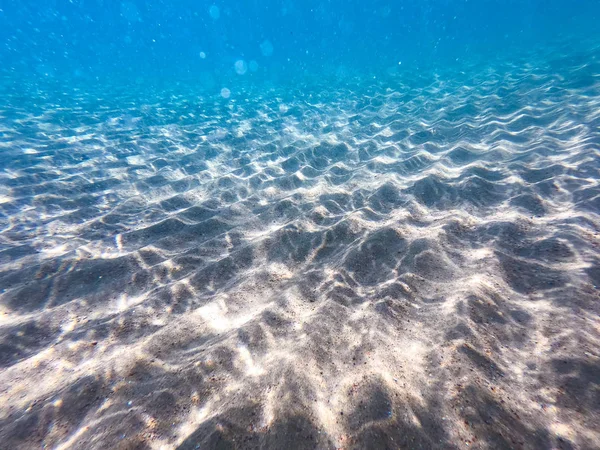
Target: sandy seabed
{"type": "Point", "coordinates": [405, 264]}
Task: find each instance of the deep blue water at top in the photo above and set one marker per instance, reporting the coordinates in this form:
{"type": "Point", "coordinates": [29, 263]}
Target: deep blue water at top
{"type": "Point", "coordinates": [273, 40]}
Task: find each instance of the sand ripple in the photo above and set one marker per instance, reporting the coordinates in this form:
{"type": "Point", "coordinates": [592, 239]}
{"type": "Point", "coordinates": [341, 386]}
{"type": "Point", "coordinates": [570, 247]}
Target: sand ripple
{"type": "Point", "coordinates": [399, 263]}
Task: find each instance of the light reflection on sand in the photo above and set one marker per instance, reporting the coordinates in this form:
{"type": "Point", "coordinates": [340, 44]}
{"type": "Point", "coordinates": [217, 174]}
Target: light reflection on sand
{"type": "Point", "coordinates": [406, 264]}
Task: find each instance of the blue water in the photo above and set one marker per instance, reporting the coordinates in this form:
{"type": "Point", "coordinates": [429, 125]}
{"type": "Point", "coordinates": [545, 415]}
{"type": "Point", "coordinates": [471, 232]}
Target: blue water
{"type": "Point", "coordinates": [138, 39]}
{"type": "Point", "coordinates": [299, 224]}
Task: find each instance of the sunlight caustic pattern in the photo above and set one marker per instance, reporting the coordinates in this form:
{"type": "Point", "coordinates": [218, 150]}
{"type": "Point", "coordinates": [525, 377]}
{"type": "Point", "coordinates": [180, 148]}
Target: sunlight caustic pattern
{"type": "Point", "coordinates": [398, 263]}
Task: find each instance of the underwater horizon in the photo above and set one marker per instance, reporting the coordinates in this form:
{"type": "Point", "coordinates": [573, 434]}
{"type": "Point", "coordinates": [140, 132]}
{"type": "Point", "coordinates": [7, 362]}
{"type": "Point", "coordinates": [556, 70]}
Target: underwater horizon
{"type": "Point", "coordinates": [299, 224]}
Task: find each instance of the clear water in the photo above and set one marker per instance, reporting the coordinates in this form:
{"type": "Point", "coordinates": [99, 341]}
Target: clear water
{"type": "Point", "coordinates": [299, 224]}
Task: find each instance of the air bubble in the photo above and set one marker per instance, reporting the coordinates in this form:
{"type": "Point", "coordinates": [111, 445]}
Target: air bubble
{"type": "Point", "coordinates": [214, 12]}
{"type": "Point", "coordinates": [241, 67]}
{"type": "Point", "coordinates": [266, 48]}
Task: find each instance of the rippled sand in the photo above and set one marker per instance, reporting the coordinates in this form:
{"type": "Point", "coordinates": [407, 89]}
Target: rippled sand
{"type": "Point", "coordinates": [399, 263]}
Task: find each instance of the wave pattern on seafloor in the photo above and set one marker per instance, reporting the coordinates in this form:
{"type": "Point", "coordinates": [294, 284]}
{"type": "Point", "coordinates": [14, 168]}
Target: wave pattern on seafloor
{"type": "Point", "coordinates": [400, 262]}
